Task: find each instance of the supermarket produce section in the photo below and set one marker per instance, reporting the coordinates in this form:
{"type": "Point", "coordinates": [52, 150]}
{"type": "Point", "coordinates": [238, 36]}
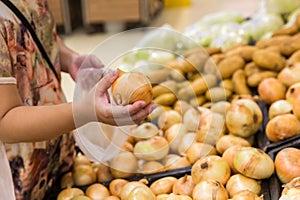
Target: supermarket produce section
{"type": "Point", "coordinates": [226, 125]}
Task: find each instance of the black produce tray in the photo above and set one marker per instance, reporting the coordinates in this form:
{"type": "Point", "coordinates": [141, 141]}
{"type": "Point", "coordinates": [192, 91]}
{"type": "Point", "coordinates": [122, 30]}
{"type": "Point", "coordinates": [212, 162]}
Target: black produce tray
{"type": "Point", "coordinates": [273, 184]}
{"type": "Point", "coordinates": [177, 173]}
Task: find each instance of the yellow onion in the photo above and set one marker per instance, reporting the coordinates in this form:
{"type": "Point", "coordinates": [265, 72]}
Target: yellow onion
{"type": "Point", "coordinates": [287, 164]}
{"type": "Point", "coordinates": [244, 117]}
{"type": "Point", "coordinates": [69, 193]}
{"type": "Point", "coordinates": [81, 159]}
{"type": "Point", "coordinates": [141, 193]}
{"type": "Point", "coordinates": [186, 142]}
{"type": "Point", "coordinates": [198, 150]}
{"type": "Point", "coordinates": [238, 182]}
{"type": "Point", "coordinates": [154, 148]}
{"type": "Point", "coordinates": [292, 93]}
{"type": "Point", "coordinates": [144, 131]}
{"type": "Point", "coordinates": [296, 108]}
{"type": "Point", "coordinates": [279, 107]}
{"type": "Point", "coordinates": [83, 175]}
{"type": "Point", "coordinates": [168, 118]}
{"type": "Point", "coordinates": [230, 140]}
{"type": "Point", "coordinates": [211, 128]}
{"type": "Point", "coordinates": [116, 186]}
{"type": "Point", "coordinates": [131, 87]}
{"type": "Point", "coordinates": [128, 188]}
{"type": "Point", "coordinates": [290, 74]}
{"type": "Point", "coordinates": [97, 191]}
{"type": "Point", "coordinates": [111, 197]}
{"type": "Point", "coordinates": [253, 163]}
{"type": "Point", "coordinates": [291, 190]}
{"type": "Point", "coordinates": [209, 189]}
{"type": "Point", "coordinates": [175, 162]}
{"type": "Point", "coordinates": [81, 197]}
{"type": "Point", "coordinates": [174, 135]}
{"type": "Point", "coordinates": [247, 195]}
{"type": "Point", "coordinates": [271, 90]}
{"type": "Point", "coordinates": [103, 173]}
{"type": "Point", "coordinates": [210, 167]}
{"type": "Point", "coordinates": [163, 185]}
{"type": "Point", "coordinates": [152, 167]}
{"type": "Point", "coordinates": [172, 196]}
{"type": "Point", "coordinates": [282, 127]}
{"type": "Point", "coordinates": [184, 185]}
{"type": "Point", "coordinates": [67, 180]}
{"type": "Point", "coordinates": [119, 169]}
{"type": "Point", "coordinates": [158, 110]}
{"type": "Point", "coordinates": [192, 116]}
{"type": "Point", "coordinates": [229, 154]}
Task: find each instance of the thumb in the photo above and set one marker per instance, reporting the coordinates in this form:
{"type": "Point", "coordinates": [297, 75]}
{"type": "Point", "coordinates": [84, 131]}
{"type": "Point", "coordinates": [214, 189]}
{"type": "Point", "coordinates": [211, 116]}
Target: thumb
{"type": "Point", "coordinates": [105, 83]}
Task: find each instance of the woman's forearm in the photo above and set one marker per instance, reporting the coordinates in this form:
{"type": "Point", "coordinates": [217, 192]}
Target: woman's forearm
{"type": "Point", "coordinates": [36, 123]}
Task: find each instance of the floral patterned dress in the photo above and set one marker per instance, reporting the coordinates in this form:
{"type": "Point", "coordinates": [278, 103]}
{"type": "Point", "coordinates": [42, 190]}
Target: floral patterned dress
{"type": "Point", "coordinates": [34, 166]}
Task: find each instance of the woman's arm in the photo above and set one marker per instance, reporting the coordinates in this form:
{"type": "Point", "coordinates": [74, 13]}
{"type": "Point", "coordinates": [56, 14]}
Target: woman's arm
{"type": "Point", "coordinates": [20, 123]}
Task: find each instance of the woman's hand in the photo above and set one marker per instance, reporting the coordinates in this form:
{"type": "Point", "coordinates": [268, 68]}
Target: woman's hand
{"type": "Point", "coordinates": [97, 106]}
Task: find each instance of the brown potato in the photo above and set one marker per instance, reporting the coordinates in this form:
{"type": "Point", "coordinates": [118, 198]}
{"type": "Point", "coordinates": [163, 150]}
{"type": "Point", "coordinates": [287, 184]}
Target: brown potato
{"type": "Point", "coordinates": [166, 99]}
{"type": "Point", "coordinates": [269, 60]}
{"type": "Point", "coordinates": [291, 30]}
{"type": "Point", "coordinates": [229, 65]}
{"type": "Point", "coordinates": [210, 66]}
{"type": "Point", "coordinates": [256, 78]}
{"type": "Point", "coordinates": [251, 68]}
{"type": "Point", "coordinates": [287, 48]}
{"type": "Point", "coordinates": [240, 83]}
{"type": "Point", "coordinates": [294, 58]}
{"type": "Point", "coordinates": [246, 52]}
{"type": "Point", "coordinates": [272, 41]}
{"type": "Point", "coordinates": [216, 94]}
{"type": "Point", "coordinates": [213, 50]}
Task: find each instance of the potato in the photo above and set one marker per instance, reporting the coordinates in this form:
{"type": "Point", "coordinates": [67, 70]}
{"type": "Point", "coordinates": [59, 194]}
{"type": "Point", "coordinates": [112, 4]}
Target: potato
{"type": "Point", "coordinates": [274, 48]}
{"type": "Point", "coordinates": [197, 60]}
{"type": "Point", "coordinates": [165, 87]}
{"type": "Point", "coordinates": [290, 30]}
{"type": "Point", "coordinates": [229, 65]}
{"type": "Point", "coordinates": [166, 99]}
{"type": "Point", "coordinates": [287, 48]}
{"type": "Point", "coordinates": [216, 94]}
{"type": "Point", "coordinates": [210, 66]}
{"type": "Point", "coordinates": [212, 50]}
{"type": "Point", "coordinates": [256, 78]}
{"type": "Point", "coordinates": [269, 60]}
{"type": "Point", "coordinates": [272, 41]}
{"type": "Point", "coordinates": [198, 101]}
{"type": "Point", "coordinates": [240, 83]}
{"type": "Point", "coordinates": [227, 84]}
{"type": "Point", "coordinates": [246, 52]}
{"type": "Point", "coordinates": [251, 68]}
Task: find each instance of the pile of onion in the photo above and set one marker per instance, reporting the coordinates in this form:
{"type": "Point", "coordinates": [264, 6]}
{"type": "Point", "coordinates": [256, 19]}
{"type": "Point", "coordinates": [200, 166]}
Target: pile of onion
{"type": "Point", "coordinates": [131, 87]}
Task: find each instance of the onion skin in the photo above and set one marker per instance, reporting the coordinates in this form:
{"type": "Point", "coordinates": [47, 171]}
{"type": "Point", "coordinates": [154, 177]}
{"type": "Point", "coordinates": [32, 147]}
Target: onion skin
{"type": "Point", "coordinates": [83, 175]}
{"type": "Point", "coordinates": [192, 116]}
{"type": "Point", "coordinates": [184, 185]}
{"type": "Point", "coordinates": [154, 148]}
{"type": "Point", "coordinates": [69, 193]}
{"type": "Point", "coordinates": [129, 187]}
{"type": "Point", "coordinates": [81, 197]}
{"type": "Point", "coordinates": [247, 195]}
{"type": "Point", "coordinates": [174, 135]}
{"type": "Point", "coordinates": [198, 150]}
{"type": "Point", "coordinates": [141, 193]}
{"type": "Point", "coordinates": [244, 117]}
{"type": "Point", "coordinates": [271, 90]}
{"type": "Point", "coordinates": [211, 167]}
{"type": "Point", "coordinates": [81, 159]}
{"type": "Point", "coordinates": [97, 191]}
{"type": "Point", "coordinates": [209, 189]}
{"type": "Point", "coordinates": [116, 186]}
{"type": "Point", "coordinates": [103, 173]}
{"type": "Point", "coordinates": [144, 131]}
{"type": "Point", "coordinates": [152, 167]}
{"type": "Point", "coordinates": [187, 140]}
{"type": "Point", "coordinates": [123, 171]}
{"type": "Point", "coordinates": [280, 107]}
{"type": "Point", "coordinates": [230, 140]}
{"type": "Point", "coordinates": [131, 87]}
{"type": "Point", "coordinates": [67, 180]}
{"type": "Point", "coordinates": [293, 93]}
{"type": "Point", "coordinates": [253, 163]}
{"type": "Point", "coordinates": [163, 185]}
{"type": "Point", "coordinates": [291, 190]}
{"type": "Point", "coordinates": [228, 155]}
{"type": "Point", "coordinates": [282, 127]}
{"type": "Point", "coordinates": [287, 164]}
{"type": "Point", "coordinates": [239, 182]}
{"type": "Point", "coordinates": [168, 118]}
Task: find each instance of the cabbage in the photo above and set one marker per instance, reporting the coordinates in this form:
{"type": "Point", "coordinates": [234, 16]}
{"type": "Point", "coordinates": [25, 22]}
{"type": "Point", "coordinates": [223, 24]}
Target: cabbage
{"type": "Point", "coordinates": [281, 6]}
{"type": "Point", "coordinates": [221, 18]}
{"type": "Point", "coordinates": [261, 24]}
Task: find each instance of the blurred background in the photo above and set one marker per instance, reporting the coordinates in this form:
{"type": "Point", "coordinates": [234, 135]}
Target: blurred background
{"type": "Point", "coordinates": [84, 24]}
